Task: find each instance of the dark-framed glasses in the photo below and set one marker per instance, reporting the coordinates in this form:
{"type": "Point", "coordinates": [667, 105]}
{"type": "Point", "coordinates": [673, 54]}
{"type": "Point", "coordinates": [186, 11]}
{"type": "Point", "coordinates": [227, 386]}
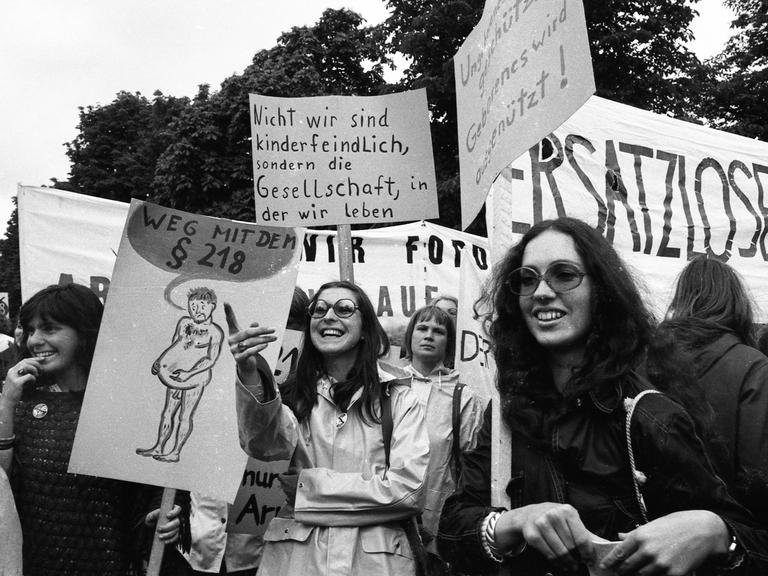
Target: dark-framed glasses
{"type": "Point", "coordinates": [343, 308]}
{"type": "Point", "coordinates": [561, 277]}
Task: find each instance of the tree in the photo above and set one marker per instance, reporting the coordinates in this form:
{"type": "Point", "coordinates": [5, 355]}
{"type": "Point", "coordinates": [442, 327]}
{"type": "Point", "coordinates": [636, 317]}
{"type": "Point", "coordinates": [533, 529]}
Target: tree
{"type": "Point", "coordinates": [115, 152]}
{"type": "Point", "coordinates": [207, 168]}
{"type": "Point", "coordinates": [638, 54]}
{"type": "Point", "coordinates": [738, 98]}
{"type": "Point", "coordinates": [9, 261]}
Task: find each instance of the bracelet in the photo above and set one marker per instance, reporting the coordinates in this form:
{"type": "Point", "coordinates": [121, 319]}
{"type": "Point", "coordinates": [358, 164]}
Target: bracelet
{"type": "Point", "coordinates": [488, 537]}
{"type": "Point", "coordinates": [7, 443]}
{"type": "Point", "coordinates": [734, 557]}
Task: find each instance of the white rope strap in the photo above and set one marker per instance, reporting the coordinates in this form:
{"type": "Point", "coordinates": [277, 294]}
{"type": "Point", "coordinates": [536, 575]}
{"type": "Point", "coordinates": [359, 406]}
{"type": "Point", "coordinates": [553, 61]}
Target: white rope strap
{"type": "Point", "coordinates": [637, 476]}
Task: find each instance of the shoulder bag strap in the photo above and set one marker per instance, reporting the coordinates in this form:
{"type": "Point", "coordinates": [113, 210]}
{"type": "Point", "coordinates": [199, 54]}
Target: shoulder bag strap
{"type": "Point", "coordinates": [629, 406]}
{"type": "Point", "coordinates": [386, 423]}
{"type": "Point", "coordinates": [456, 422]}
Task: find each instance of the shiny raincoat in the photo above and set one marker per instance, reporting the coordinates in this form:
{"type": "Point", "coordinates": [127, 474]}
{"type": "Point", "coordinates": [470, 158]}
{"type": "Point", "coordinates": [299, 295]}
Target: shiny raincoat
{"type": "Point", "coordinates": [349, 510]}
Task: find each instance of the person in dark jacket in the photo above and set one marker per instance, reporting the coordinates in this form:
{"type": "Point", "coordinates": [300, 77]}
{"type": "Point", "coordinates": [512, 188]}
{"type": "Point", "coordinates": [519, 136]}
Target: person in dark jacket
{"type": "Point", "coordinates": [711, 319]}
{"type": "Point", "coordinates": [569, 330]}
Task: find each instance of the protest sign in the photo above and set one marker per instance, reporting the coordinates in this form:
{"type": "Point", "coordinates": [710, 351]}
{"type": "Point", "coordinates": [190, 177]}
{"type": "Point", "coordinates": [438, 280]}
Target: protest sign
{"type": "Point", "coordinates": [66, 237]}
{"type": "Point", "coordinates": [661, 191]}
{"type": "Point", "coordinates": [259, 498]}
{"type": "Point", "coordinates": [159, 406]}
{"type": "Point", "coordinates": [342, 159]}
{"type": "Point", "coordinates": [521, 72]}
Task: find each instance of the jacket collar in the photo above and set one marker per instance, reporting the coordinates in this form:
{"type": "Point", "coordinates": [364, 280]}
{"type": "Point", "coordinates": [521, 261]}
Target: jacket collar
{"type": "Point", "coordinates": [608, 399]}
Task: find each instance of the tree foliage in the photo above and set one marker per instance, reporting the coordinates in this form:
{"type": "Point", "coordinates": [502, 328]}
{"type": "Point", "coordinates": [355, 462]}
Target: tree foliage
{"type": "Point", "coordinates": [195, 154]}
{"type": "Point", "coordinates": [638, 55]}
{"type": "Point", "coordinates": [737, 99]}
{"type": "Point", "coordinates": [208, 168]}
{"type": "Point", "coordinates": [117, 147]}
{"type": "Point", "coordinates": [10, 279]}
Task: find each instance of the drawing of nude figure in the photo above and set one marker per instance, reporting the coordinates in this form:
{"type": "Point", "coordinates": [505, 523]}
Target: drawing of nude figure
{"type": "Point", "coordinates": [185, 368]}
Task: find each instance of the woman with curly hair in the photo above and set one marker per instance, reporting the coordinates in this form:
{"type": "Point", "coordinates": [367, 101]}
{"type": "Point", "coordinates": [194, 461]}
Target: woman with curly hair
{"type": "Point", "coordinates": [569, 331]}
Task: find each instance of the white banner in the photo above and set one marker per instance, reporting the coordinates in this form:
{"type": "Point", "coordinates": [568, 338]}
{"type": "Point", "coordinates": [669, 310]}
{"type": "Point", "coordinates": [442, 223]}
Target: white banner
{"type": "Point", "coordinates": [66, 237]}
{"type": "Point", "coordinates": [661, 190]}
{"type": "Point", "coordinates": [400, 267]}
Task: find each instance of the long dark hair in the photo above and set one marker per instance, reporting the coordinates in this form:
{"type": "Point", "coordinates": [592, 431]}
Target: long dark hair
{"type": "Point", "coordinates": [710, 299]}
{"type": "Point", "coordinates": [425, 314]}
{"type": "Point", "coordinates": [72, 305]}
{"type": "Point", "coordinates": [620, 330]}
{"type": "Point", "coordinates": [300, 391]}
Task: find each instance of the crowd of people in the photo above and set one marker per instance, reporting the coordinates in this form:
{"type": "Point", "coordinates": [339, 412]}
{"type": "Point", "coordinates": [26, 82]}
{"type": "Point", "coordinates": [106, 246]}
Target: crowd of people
{"type": "Point", "coordinates": [636, 447]}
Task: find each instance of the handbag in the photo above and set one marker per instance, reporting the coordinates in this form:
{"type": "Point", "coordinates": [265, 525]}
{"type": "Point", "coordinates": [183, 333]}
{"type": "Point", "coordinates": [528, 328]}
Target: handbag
{"type": "Point", "coordinates": [638, 478]}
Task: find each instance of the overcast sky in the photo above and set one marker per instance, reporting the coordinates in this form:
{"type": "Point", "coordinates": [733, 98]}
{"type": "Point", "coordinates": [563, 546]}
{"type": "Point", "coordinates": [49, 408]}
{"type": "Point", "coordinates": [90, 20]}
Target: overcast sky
{"type": "Point", "coordinates": [57, 55]}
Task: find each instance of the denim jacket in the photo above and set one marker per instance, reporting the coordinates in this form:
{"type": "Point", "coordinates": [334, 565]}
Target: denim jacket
{"type": "Point", "coordinates": [587, 466]}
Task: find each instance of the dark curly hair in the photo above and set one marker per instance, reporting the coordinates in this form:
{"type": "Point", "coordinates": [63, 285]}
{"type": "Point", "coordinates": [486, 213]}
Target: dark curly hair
{"type": "Point", "coordinates": [620, 330]}
{"type": "Point", "coordinates": [300, 391]}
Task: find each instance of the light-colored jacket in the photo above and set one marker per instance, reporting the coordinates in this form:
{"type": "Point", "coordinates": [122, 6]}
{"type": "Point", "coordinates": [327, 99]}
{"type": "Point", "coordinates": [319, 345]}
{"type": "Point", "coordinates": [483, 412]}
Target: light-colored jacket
{"type": "Point", "coordinates": [212, 545]}
{"type": "Point", "coordinates": [435, 394]}
{"type": "Point", "coordinates": [349, 509]}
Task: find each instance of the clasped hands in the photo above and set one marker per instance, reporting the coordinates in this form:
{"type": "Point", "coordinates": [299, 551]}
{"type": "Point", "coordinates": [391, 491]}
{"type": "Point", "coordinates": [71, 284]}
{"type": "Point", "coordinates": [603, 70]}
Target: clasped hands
{"type": "Point", "coordinates": [673, 545]}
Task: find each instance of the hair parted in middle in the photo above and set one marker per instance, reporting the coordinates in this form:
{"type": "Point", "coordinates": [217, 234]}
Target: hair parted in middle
{"type": "Point", "coordinates": [301, 391]}
{"type": "Point", "coordinates": [710, 296]}
{"type": "Point", "coordinates": [620, 322]}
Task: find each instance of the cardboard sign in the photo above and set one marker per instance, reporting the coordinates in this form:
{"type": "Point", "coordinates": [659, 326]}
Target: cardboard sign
{"type": "Point", "coordinates": [342, 159]}
{"type": "Point", "coordinates": [523, 70]}
{"type": "Point", "coordinates": [660, 190]}
{"type": "Point", "coordinates": [159, 407]}
{"type": "Point", "coordinates": [259, 498]}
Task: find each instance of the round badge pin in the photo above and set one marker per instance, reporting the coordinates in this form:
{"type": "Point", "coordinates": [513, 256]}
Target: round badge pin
{"type": "Point", "coordinates": [40, 411]}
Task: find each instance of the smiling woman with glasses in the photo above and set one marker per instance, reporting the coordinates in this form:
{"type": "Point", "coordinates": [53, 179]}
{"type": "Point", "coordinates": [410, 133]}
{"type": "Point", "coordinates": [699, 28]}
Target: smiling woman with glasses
{"type": "Point", "coordinates": [348, 498]}
{"type": "Point", "coordinates": [569, 330]}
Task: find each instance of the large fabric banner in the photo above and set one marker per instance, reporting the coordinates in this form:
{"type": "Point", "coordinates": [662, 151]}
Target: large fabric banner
{"type": "Point", "coordinates": [661, 190]}
{"type": "Point", "coordinates": [160, 407]}
{"type": "Point", "coordinates": [400, 267]}
{"type": "Point", "coordinates": [66, 237]}
{"type": "Point", "coordinates": [522, 71]}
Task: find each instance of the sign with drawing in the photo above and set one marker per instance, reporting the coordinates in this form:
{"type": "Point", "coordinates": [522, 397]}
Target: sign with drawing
{"type": "Point", "coordinates": [159, 406]}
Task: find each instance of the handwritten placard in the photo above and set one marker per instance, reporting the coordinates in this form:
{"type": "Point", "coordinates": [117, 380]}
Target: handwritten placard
{"type": "Point", "coordinates": [259, 498]}
{"type": "Point", "coordinates": [159, 407]}
{"type": "Point", "coordinates": [522, 72]}
{"type": "Point", "coordinates": [342, 159]}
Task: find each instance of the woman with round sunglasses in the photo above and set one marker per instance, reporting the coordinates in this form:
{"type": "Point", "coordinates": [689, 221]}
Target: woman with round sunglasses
{"type": "Point", "coordinates": [349, 491]}
{"type": "Point", "coordinates": [451, 418]}
{"type": "Point", "coordinates": [569, 330]}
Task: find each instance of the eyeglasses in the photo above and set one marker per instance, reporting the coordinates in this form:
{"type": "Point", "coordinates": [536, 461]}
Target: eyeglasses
{"type": "Point", "coordinates": [560, 277]}
{"type": "Point", "coordinates": [343, 308]}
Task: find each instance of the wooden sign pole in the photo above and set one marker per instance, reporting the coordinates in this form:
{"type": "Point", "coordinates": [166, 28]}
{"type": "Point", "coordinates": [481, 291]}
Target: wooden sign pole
{"type": "Point", "coordinates": [158, 546]}
{"type": "Point", "coordinates": [344, 236]}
